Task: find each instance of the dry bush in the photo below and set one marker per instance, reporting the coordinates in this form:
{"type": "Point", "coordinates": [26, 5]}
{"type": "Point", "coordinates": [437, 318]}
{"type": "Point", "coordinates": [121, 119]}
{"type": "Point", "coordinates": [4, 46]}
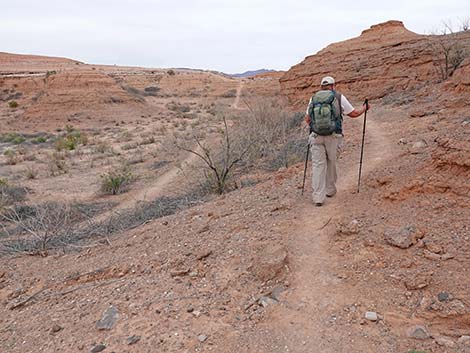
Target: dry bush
{"type": "Point", "coordinates": [38, 228]}
{"type": "Point", "coordinates": [448, 50]}
{"type": "Point", "coordinates": [10, 194]}
{"type": "Point", "coordinates": [30, 172]}
{"type": "Point", "coordinates": [57, 164]}
{"type": "Point", "coordinates": [40, 225]}
{"type": "Point", "coordinates": [273, 132]}
{"type": "Point", "coordinates": [11, 157]}
{"type": "Point", "coordinates": [219, 161]}
{"type": "Point", "coordinates": [231, 93]}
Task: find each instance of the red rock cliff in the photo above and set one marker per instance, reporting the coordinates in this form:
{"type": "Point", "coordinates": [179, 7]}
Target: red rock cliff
{"type": "Point", "coordinates": [384, 58]}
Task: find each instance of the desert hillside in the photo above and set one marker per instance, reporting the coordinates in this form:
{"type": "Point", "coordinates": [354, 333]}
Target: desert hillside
{"type": "Point", "coordinates": [114, 239]}
{"type": "Point", "coordinates": [385, 61]}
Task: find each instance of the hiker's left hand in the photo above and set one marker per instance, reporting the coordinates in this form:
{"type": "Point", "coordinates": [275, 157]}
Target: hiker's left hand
{"type": "Point", "coordinates": [307, 119]}
{"type": "Point", "coordinates": [366, 107]}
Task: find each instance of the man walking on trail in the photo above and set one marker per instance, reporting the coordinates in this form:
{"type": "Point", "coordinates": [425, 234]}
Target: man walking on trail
{"type": "Point", "coordinates": [325, 119]}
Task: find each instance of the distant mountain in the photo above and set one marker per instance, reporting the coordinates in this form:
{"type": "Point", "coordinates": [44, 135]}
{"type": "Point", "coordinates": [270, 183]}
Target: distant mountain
{"type": "Point", "coordinates": [252, 73]}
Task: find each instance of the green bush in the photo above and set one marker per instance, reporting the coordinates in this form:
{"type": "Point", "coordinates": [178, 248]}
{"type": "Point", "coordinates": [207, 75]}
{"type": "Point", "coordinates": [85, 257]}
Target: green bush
{"type": "Point", "coordinates": [13, 104]}
{"type": "Point", "coordinates": [18, 139]}
{"type": "Point", "coordinates": [39, 139]}
{"type": "Point", "coordinates": [116, 182]}
{"type": "Point", "coordinates": [71, 140]}
{"type": "Point", "coordinates": [12, 138]}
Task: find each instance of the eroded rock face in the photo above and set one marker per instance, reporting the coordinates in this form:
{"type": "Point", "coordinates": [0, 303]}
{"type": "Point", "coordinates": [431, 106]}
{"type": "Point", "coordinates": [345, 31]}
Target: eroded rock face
{"type": "Point", "coordinates": [386, 58]}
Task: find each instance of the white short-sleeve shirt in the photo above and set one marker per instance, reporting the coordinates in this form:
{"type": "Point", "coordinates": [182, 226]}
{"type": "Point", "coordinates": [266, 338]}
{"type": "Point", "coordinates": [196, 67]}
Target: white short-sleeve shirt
{"type": "Point", "coordinates": [346, 106]}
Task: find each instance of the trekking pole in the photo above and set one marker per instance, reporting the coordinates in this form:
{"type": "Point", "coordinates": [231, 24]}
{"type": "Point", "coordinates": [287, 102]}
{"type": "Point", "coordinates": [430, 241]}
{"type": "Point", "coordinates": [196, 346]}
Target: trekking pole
{"type": "Point", "coordinates": [305, 169]}
{"type": "Point", "coordinates": [366, 102]}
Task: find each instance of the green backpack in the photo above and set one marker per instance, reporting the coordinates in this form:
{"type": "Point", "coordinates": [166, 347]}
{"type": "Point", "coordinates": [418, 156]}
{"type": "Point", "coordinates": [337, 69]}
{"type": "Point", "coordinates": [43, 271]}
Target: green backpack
{"type": "Point", "coordinates": [325, 119]}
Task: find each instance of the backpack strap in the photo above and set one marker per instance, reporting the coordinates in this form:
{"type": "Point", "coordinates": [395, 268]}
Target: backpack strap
{"type": "Point", "coordinates": [338, 97]}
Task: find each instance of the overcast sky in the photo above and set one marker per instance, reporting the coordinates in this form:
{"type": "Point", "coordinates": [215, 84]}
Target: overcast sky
{"type": "Point", "coordinates": [230, 36]}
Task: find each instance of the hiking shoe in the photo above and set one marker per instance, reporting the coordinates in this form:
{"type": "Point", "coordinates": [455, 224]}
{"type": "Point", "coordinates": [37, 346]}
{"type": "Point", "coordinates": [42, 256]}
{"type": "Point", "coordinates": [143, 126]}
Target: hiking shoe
{"type": "Point", "coordinates": [331, 195]}
{"type": "Point", "coordinates": [318, 204]}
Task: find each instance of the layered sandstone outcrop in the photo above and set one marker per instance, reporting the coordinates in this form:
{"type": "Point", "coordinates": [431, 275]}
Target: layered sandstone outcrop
{"type": "Point", "coordinates": [383, 59]}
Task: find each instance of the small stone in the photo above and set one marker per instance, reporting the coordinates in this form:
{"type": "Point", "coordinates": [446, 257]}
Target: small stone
{"type": "Point", "coordinates": [266, 301]}
{"type": "Point", "coordinates": [133, 339]}
{"type": "Point", "coordinates": [433, 247]}
{"type": "Point", "coordinates": [447, 257]}
{"type": "Point", "coordinates": [418, 332]}
{"type": "Point", "coordinates": [404, 237]}
{"type": "Point", "coordinates": [445, 342]}
{"type": "Point", "coordinates": [418, 147]}
{"type": "Point", "coordinates": [179, 272]}
{"type": "Point", "coordinates": [203, 254]}
{"type": "Point", "coordinates": [277, 292]}
{"type": "Point", "coordinates": [56, 328]}
{"type": "Point", "coordinates": [464, 340]}
{"type": "Point", "coordinates": [402, 141]}
{"type": "Point", "coordinates": [443, 296]}
{"type": "Point", "coordinates": [190, 309]}
{"type": "Point", "coordinates": [418, 281]}
{"type": "Point", "coordinates": [202, 338]}
{"type": "Point", "coordinates": [109, 319]}
{"type": "Point", "coordinates": [431, 256]}
{"type": "Point", "coordinates": [98, 348]}
{"type": "Point", "coordinates": [196, 313]}
{"type": "Point", "coordinates": [371, 316]}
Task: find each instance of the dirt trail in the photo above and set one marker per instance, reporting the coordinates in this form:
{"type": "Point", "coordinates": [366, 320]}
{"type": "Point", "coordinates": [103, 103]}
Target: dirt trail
{"type": "Point", "coordinates": [318, 292]}
{"type": "Point", "coordinates": [239, 92]}
{"type": "Point", "coordinates": [153, 191]}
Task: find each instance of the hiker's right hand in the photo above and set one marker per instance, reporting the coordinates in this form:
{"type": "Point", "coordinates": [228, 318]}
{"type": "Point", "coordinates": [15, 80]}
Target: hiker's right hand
{"type": "Point", "coordinates": [365, 107]}
{"type": "Point", "coordinates": [307, 119]}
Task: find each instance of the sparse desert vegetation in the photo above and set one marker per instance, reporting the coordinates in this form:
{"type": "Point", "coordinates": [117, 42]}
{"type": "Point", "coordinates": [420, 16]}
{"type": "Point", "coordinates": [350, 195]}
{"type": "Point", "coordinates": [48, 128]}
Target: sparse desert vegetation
{"type": "Point", "coordinates": [172, 200]}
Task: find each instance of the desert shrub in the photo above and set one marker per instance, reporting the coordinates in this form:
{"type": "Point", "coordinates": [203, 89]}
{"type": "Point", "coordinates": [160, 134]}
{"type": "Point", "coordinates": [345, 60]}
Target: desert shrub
{"type": "Point", "coordinates": [57, 164]}
{"type": "Point", "coordinates": [272, 131]}
{"type": "Point", "coordinates": [125, 136]}
{"type": "Point", "coordinates": [39, 225]}
{"type": "Point", "coordinates": [448, 49]}
{"type": "Point", "coordinates": [13, 104]}
{"type": "Point", "coordinates": [129, 146]}
{"type": "Point", "coordinates": [147, 140]}
{"type": "Point", "coordinates": [218, 162]}
{"type": "Point", "coordinates": [151, 91]}
{"type": "Point", "coordinates": [171, 72]}
{"type": "Point", "coordinates": [103, 147]}
{"type": "Point", "coordinates": [10, 194]}
{"type": "Point", "coordinates": [71, 140]}
{"type": "Point", "coordinates": [13, 138]}
{"type": "Point", "coordinates": [50, 73]}
{"type": "Point", "coordinates": [116, 181]}
{"type": "Point", "coordinates": [11, 156]}
{"type": "Point", "coordinates": [177, 107]}
{"type": "Point", "coordinates": [31, 172]}
{"type": "Point", "coordinates": [39, 139]}
{"type": "Point", "coordinates": [230, 93]}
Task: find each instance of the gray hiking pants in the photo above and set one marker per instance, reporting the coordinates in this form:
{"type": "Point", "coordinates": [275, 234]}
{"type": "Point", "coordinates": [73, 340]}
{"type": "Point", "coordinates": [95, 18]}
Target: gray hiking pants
{"type": "Point", "coordinates": [325, 150]}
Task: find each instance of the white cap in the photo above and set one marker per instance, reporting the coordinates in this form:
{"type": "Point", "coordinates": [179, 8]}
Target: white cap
{"type": "Point", "coordinates": [327, 80]}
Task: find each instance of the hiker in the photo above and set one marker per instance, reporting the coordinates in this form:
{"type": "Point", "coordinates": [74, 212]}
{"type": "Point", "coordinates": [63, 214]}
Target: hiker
{"type": "Point", "coordinates": [325, 119]}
